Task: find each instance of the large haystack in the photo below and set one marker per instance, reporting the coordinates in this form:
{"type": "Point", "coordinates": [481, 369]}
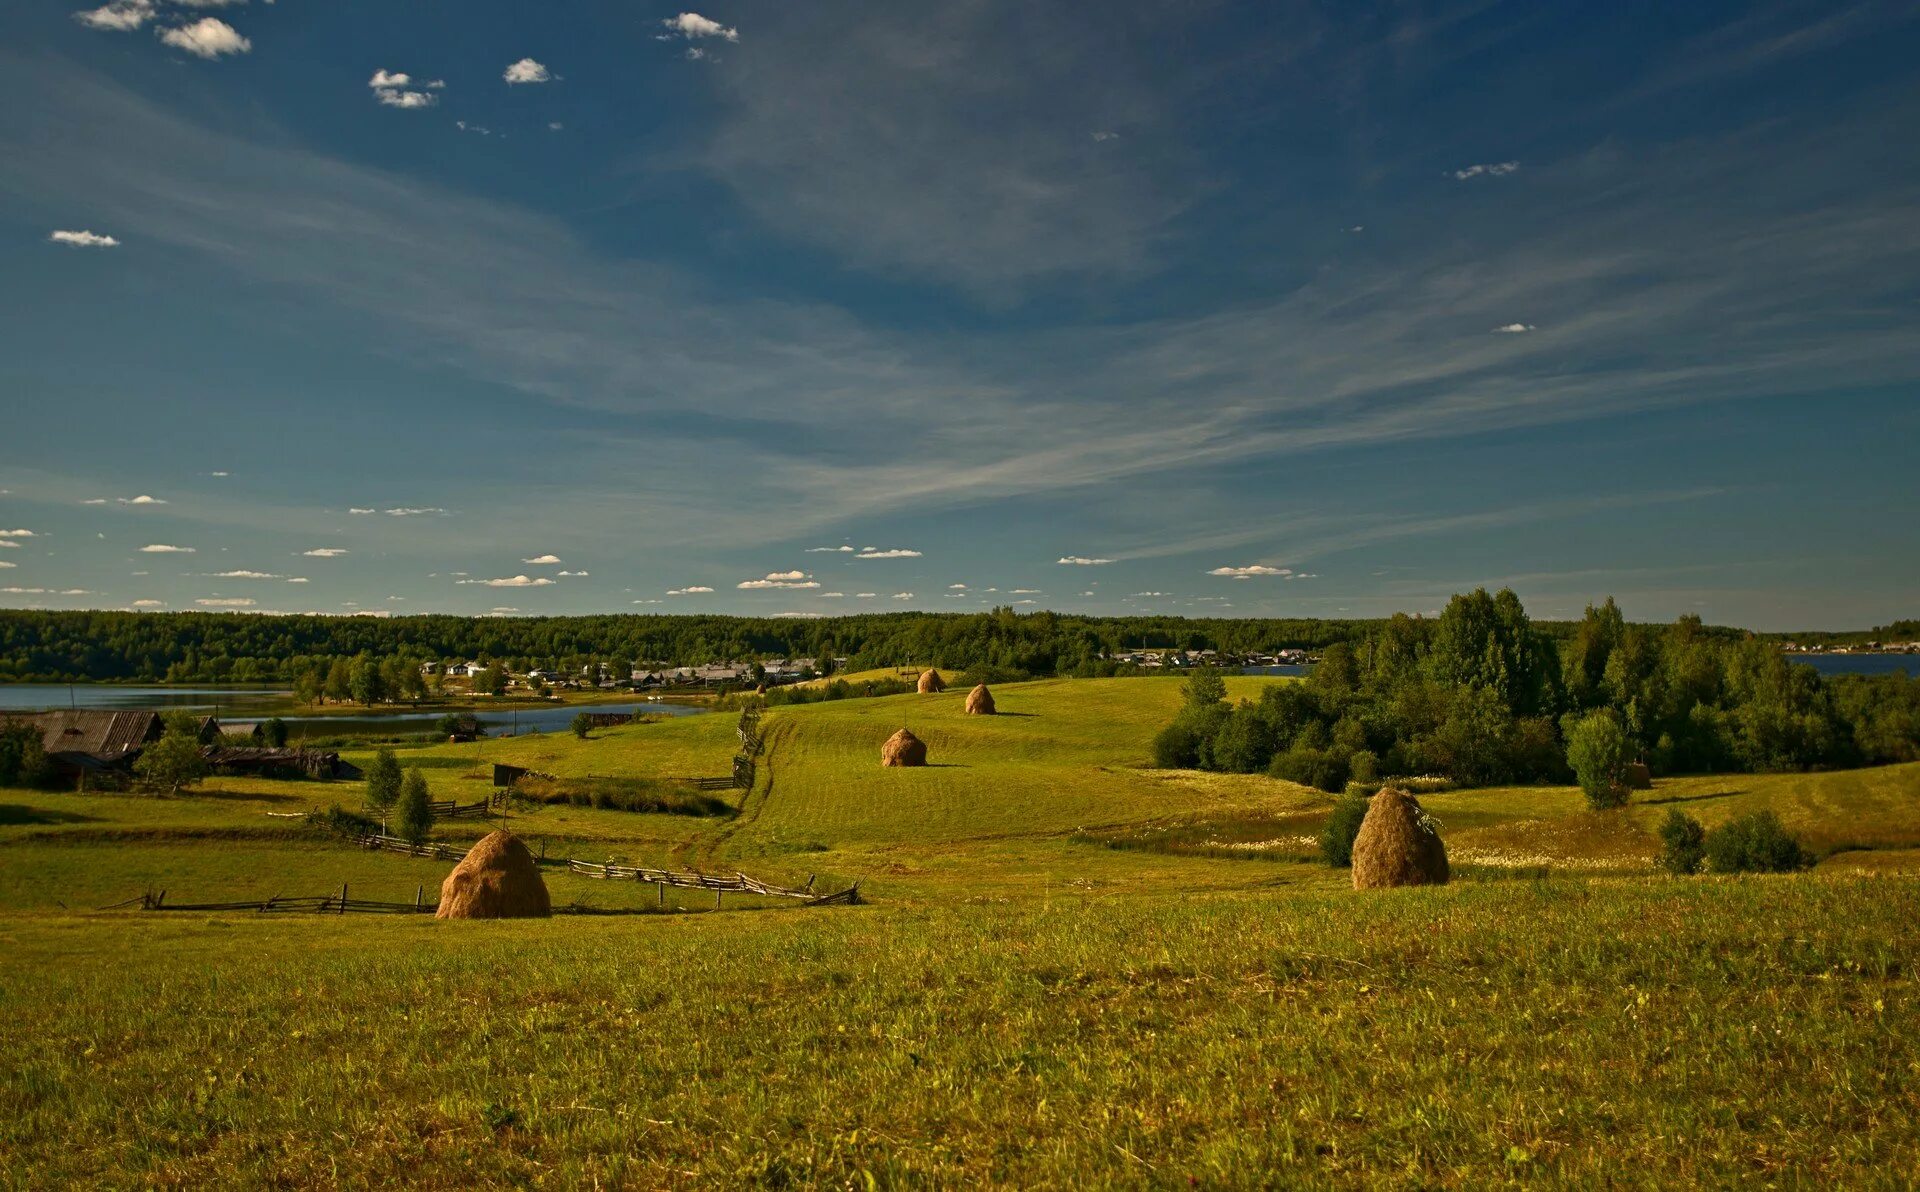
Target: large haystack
{"type": "Point", "coordinates": [498, 879]}
{"type": "Point", "coordinates": [1639, 778]}
{"type": "Point", "coordinates": [1397, 845]}
{"type": "Point", "coordinates": [980, 702]}
{"type": "Point", "coordinates": [931, 683]}
{"type": "Point", "coordinates": [903, 749]}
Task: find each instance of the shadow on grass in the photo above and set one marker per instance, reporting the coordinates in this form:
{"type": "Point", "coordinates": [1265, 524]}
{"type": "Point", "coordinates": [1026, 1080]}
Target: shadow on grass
{"type": "Point", "coordinates": [260, 797]}
{"type": "Point", "coordinates": [16, 813]}
{"type": "Point", "coordinates": [1020, 715]}
{"type": "Point", "coordinates": [947, 766]}
{"type": "Point", "coordinates": [1688, 798]}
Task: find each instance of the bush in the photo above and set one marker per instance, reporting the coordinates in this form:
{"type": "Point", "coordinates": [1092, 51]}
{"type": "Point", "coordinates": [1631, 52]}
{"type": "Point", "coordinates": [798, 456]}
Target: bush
{"type": "Point", "coordinates": [1364, 766]}
{"type": "Point", "coordinates": [1325, 769]}
{"type": "Point", "coordinates": [1177, 746]}
{"type": "Point", "coordinates": [273, 733]}
{"type": "Point", "coordinates": [1336, 839]}
{"type": "Point", "coordinates": [582, 724]}
{"type": "Point", "coordinates": [23, 762]}
{"type": "Point", "coordinates": [1682, 843]}
{"type": "Point", "coordinates": [1597, 752]}
{"type": "Point", "coordinates": [1757, 843]}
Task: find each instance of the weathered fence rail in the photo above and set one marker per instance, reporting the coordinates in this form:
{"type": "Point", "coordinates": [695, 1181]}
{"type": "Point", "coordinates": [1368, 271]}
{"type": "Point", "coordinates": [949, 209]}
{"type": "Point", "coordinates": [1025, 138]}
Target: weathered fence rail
{"type": "Point", "coordinates": [734, 883]}
{"type": "Point", "coordinates": [325, 904]}
{"type": "Point", "coordinates": [448, 809]}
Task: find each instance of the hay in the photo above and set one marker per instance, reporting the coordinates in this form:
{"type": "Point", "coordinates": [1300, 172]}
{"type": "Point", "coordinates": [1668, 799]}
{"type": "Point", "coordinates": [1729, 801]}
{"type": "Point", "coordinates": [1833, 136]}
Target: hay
{"type": "Point", "coordinates": [931, 683]}
{"type": "Point", "coordinates": [980, 702]}
{"type": "Point", "coordinates": [903, 749]}
{"type": "Point", "coordinates": [1397, 845]}
{"type": "Point", "coordinates": [498, 879]}
{"type": "Point", "coordinates": [1639, 778]}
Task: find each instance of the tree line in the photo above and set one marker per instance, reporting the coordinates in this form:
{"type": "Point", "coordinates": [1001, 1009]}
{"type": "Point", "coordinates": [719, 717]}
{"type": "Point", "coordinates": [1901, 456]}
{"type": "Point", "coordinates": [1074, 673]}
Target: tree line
{"type": "Point", "coordinates": [1483, 696]}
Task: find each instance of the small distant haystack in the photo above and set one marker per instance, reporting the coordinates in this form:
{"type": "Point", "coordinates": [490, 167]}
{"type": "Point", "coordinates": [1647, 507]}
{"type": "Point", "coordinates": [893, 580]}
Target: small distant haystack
{"type": "Point", "coordinates": [1639, 778]}
{"type": "Point", "coordinates": [903, 749]}
{"type": "Point", "coordinates": [498, 879]}
{"type": "Point", "coordinates": [931, 683]}
{"type": "Point", "coordinates": [1397, 845]}
{"type": "Point", "coordinates": [980, 701]}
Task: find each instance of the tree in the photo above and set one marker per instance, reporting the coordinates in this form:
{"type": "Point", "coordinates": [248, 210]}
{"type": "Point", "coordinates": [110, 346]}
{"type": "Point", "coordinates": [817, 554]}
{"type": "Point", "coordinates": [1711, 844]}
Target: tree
{"type": "Point", "coordinates": [172, 762]}
{"type": "Point", "coordinates": [1204, 689]}
{"type": "Point", "coordinates": [308, 685]}
{"type": "Point", "coordinates": [1343, 826]}
{"type": "Point", "coordinates": [581, 725]}
{"type": "Point", "coordinates": [490, 680]}
{"type": "Point", "coordinates": [383, 780]}
{"type": "Point", "coordinates": [1682, 843]}
{"type": "Point", "coordinates": [23, 761]}
{"type": "Point", "coordinates": [416, 809]}
{"type": "Point", "coordinates": [1597, 751]}
{"type": "Point", "coordinates": [1757, 843]}
{"type": "Point", "coordinates": [339, 684]}
{"type": "Point", "coordinates": [365, 681]}
{"type": "Point", "coordinates": [273, 731]}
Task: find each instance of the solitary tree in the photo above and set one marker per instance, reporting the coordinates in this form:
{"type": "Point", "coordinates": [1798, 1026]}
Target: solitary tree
{"type": "Point", "coordinates": [273, 731]}
{"type": "Point", "coordinates": [383, 780]}
{"type": "Point", "coordinates": [1597, 751]}
{"type": "Point", "coordinates": [416, 810]}
{"type": "Point", "coordinates": [172, 762]}
{"type": "Point", "coordinates": [582, 724]}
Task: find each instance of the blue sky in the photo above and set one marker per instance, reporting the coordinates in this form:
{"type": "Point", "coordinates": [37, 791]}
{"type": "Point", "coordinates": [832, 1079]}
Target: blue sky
{"type": "Point", "coordinates": [813, 308]}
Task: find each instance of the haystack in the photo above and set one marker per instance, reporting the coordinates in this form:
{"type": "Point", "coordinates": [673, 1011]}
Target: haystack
{"type": "Point", "coordinates": [498, 879]}
{"type": "Point", "coordinates": [1639, 778]}
{"type": "Point", "coordinates": [1397, 845]}
{"type": "Point", "coordinates": [980, 701]}
{"type": "Point", "coordinates": [931, 682]}
{"type": "Point", "coordinates": [903, 749]}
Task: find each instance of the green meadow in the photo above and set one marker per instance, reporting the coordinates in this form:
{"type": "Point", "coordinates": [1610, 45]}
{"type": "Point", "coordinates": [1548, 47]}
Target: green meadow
{"type": "Point", "coordinates": [1070, 970]}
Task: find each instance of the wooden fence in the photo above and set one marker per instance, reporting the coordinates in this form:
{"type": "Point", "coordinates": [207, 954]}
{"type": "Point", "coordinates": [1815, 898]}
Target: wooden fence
{"type": "Point", "coordinates": [447, 809]}
{"type": "Point", "coordinates": [735, 883]}
{"type": "Point", "coordinates": [325, 904]}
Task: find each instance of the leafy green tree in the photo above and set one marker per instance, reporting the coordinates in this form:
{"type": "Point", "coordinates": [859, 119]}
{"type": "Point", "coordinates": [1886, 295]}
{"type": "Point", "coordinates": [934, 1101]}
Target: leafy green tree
{"type": "Point", "coordinates": [1597, 751]}
{"type": "Point", "coordinates": [273, 731]}
{"type": "Point", "coordinates": [172, 762]}
{"type": "Point", "coordinates": [339, 685]}
{"type": "Point", "coordinates": [365, 681]}
{"type": "Point", "coordinates": [1343, 827]}
{"type": "Point", "coordinates": [23, 761]}
{"type": "Point", "coordinates": [490, 680]}
{"type": "Point", "coordinates": [582, 724]}
{"type": "Point", "coordinates": [1682, 843]}
{"type": "Point", "coordinates": [383, 780]}
{"type": "Point", "coordinates": [1204, 689]}
{"type": "Point", "coordinates": [415, 811]}
{"type": "Point", "coordinates": [1756, 843]}
{"type": "Point", "coordinates": [308, 686]}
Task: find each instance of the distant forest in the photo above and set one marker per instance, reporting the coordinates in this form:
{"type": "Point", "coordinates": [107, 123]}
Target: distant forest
{"type": "Point", "coordinates": [238, 647]}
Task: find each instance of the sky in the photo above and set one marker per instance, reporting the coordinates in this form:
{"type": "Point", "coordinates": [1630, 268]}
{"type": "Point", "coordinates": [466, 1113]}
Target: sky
{"type": "Point", "coordinates": [794, 308]}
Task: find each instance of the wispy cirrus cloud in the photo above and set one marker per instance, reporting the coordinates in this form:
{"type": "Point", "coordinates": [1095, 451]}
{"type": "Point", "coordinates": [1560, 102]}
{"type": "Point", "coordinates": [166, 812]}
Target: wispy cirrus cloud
{"type": "Point", "coordinates": [1494, 169]}
{"type": "Point", "coordinates": [226, 602]}
{"type": "Point", "coordinates": [162, 548]}
{"type": "Point", "coordinates": [325, 552]}
{"type": "Point", "coordinates": [889, 553]}
{"type": "Point", "coordinates": [1081, 561]}
{"type": "Point", "coordinates": [1249, 571]}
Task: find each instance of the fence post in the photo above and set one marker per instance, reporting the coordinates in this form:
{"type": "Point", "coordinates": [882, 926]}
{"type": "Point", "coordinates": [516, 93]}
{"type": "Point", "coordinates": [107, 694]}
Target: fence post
{"type": "Point", "coordinates": [343, 898]}
{"type": "Point", "coordinates": [663, 892]}
{"type": "Point", "coordinates": [419, 896]}
{"type": "Point", "coordinates": [716, 900]}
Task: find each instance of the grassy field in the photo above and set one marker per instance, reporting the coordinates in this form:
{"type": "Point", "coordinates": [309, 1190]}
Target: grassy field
{"type": "Point", "coordinates": [1072, 971]}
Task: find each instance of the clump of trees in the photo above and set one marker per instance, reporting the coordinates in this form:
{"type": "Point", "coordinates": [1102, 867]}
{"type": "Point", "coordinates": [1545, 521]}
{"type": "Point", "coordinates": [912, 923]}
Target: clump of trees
{"type": "Point", "coordinates": [23, 760]}
{"type": "Point", "coordinates": [1482, 695]}
{"type": "Point", "coordinates": [1754, 843]}
{"type": "Point", "coordinates": [174, 762]}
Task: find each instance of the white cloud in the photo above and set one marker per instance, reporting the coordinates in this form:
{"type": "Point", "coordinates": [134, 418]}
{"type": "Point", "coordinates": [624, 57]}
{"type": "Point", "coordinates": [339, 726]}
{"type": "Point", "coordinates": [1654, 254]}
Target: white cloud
{"type": "Point", "coordinates": [894, 553]}
{"type": "Point", "coordinates": [1498, 169]}
{"type": "Point", "coordinates": [692, 24]}
{"type": "Point", "coordinates": [688, 591]}
{"type": "Point", "coordinates": [221, 475]}
{"type": "Point", "coordinates": [406, 99]}
{"type": "Point", "coordinates": [325, 552]}
{"type": "Point", "coordinates": [206, 38]}
{"type": "Point", "coordinates": [800, 616]}
{"type": "Point", "coordinates": [298, 579]}
{"type": "Point", "coordinates": [120, 16]}
{"type": "Point", "coordinates": [245, 575]}
{"type": "Point", "coordinates": [839, 550]}
{"type": "Point", "coordinates": [1149, 593]}
{"type": "Point", "coordinates": [956, 587]}
{"type": "Point", "coordinates": [4, 563]}
{"type": "Point", "coordinates": [542, 559]}
{"type": "Point", "coordinates": [16, 533]}
{"type": "Point", "coordinates": [357, 509]}
{"type": "Point", "coordinates": [831, 595]}
{"type": "Point", "coordinates": [1250, 571]}
{"type": "Point", "coordinates": [527, 71]}
{"type": "Point", "coordinates": [226, 602]}
{"type": "Point", "coordinates": [554, 126]}
{"type": "Point", "coordinates": [511, 581]}
{"type": "Point", "coordinates": [647, 602]}
{"type": "Point", "coordinates": [577, 574]}
{"type": "Point", "coordinates": [903, 595]}
{"type": "Point", "coordinates": [1513, 329]}
{"type": "Point", "coordinates": [786, 575]}
{"type": "Point", "coordinates": [1357, 228]}
{"type": "Point", "coordinates": [865, 595]}
{"type": "Point", "coordinates": [149, 604]}
{"type": "Point", "coordinates": [94, 501]}
{"type": "Point", "coordinates": [389, 78]}
{"type": "Point", "coordinates": [142, 499]}
{"type": "Point", "coordinates": [82, 239]}
{"type": "Point", "coordinates": [477, 129]}
{"type": "Point", "coordinates": [1026, 602]}
{"type": "Point", "coordinates": [779, 579]}
{"type": "Point", "coordinates": [1106, 135]}
{"type": "Point", "coordinates": [161, 548]}
{"type": "Point", "coordinates": [1083, 561]}
{"type": "Point", "coordinates": [1026, 591]}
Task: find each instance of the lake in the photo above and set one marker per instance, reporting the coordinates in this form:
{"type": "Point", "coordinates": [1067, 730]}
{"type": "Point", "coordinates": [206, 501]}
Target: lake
{"type": "Point", "coordinates": [246, 705]}
{"type": "Point", "coordinates": [1859, 664]}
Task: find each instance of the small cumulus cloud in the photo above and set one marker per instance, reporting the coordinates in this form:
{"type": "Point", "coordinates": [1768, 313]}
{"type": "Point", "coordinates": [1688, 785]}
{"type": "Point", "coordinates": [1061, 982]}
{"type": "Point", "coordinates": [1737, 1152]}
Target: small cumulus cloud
{"type": "Point", "coordinates": [527, 71]}
{"type": "Point", "coordinates": [226, 602]}
{"type": "Point", "coordinates": [208, 37]}
{"type": "Point", "coordinates": [245, 575]}
{"type": "Point", "coordinates": [1026, 591]}
{"type": "Point", "coordinates": [1083, 561]}
{"type": "Point", "coordinates": [1149, 593]}
{"type": "Point", "coordinates": [142, 499]}
{"type": "Point", "coordinates": [297, 579]}
{"type": "Point", "coordinates": [511, 581]}
{"type": "Point", "coordinates": [838, 550]}
{"type": "Point", "coordinates": [1496, 169]}
{"type": "Point", "coordinates": [325, 552]}
{"type": "Point", "coordinates": [1106, 134]}
{"type": "Point", "coordinates": [386, 79]}
{"type": "Point", "coordinates": [956, 587]}
{"type": "Point", "coordinates": [149, 604]}
{"type": "Point", "coordinates": [577, 574]}
{"type": "Point", "coordinates": [871, 552]}
{"type": "Point", "coordinates": [903, 595]}
{"type": "Point", "coordinates": [1513, 329]}
{"type": "Point", "coordinates": [865, 595]}
{"type": "Point", "coordinates": [405, 100]}
{"type": "Point", "coordinates": [692, 25]}
{"type": "Point", "coordinates": [161, 548]}
{"type": "Point", "coordinates": [1250, 571]}
{"type": "Point", "coordinates": [117, 16]}
{"type": "Point", "coordinates": [16, 533]}
{"type": "Point", "coordinates": [692, 590]}
{"type": "Point", "coordinates": [479, 130]}
{"type": "Point", "coordinates": [779, 579]}
{"type": "Point", "coordinates": [542, 559]}
{"type": "Point", "coordinates": [799, 616]}
{"type": "Point", "coordinates": [414, 511]}
{"type": "Point", "coordinates": [82, 239]}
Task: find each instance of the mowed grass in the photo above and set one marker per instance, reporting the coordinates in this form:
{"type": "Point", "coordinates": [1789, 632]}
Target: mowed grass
{"type": "Point", "coordinates": [1040, 992]}
{"type": "Point", "coordinates": [1567, 1033]}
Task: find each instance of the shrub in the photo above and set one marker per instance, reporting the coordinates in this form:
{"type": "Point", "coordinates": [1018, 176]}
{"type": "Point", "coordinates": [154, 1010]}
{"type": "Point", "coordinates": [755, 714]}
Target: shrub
{"type": "Point", "coordinates": [416, 814]}
{"type": "Point", "coordinates": [582, 724]}
{"type": "Point", "coordinates": [273, 733]}
{"type": "Point", "coordinates": [1364, 766]}
{"type": "Point", "coordinates": [23, 762]}
{"type": "Point", "coordinates": [1757, 843]}
{"type": "Point", "coordinates": [1597, 751]}
{"type": "Point", "coordinates": [1325, 769]}
{"type": "Point", "coordinates": [1177, 746]}
{"type": "Point", "coordinates": [1336, 839]}
{"type": "Point", "coordinates": [1682, 843]}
